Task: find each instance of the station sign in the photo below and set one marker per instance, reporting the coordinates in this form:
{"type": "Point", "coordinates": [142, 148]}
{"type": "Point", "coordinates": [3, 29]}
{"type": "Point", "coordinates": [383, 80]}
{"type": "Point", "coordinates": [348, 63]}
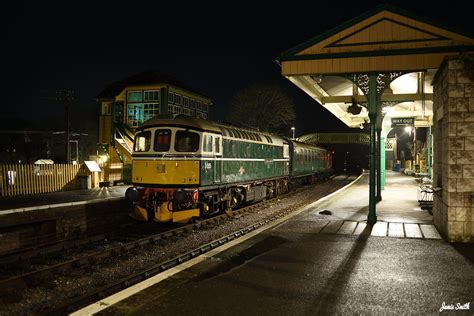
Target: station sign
{"type": "Point", "coordinates": [403, 121]}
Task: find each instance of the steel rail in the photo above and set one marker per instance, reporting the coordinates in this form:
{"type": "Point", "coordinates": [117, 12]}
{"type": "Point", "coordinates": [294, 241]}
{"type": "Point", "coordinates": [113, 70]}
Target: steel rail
{"type": "Point", "coordinates": [37, 277]}
{"type": "Point", "coordinates": [119, 285]}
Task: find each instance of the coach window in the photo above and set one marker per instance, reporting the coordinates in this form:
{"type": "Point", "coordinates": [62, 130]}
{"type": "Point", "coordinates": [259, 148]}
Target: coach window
{"type": "Point", "coordinates": [286, 151]}
{"type": "Point", "coordinates": [207, 143]}
{"type": "Point", "coordinates": [234, 149]}
{"type": "Point", "coordinates": [162, 140]}
{"type": "Point", "coordinates": [142, 142]}
{"type": "Point", "coordinates": [186, 141]}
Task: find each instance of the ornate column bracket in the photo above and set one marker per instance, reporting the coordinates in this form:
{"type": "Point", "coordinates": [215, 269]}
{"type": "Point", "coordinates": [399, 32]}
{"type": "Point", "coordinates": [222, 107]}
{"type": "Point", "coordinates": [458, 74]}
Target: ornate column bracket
{"type": "Point", "coordinates": [383, 81]}
{"type": "Point", "coordinates": [382, 103]}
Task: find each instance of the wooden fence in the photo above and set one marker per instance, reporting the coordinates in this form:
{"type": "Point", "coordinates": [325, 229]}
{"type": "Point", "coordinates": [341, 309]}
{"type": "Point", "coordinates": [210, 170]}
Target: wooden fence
{"type": "Point", "coordinates": [30, 179]}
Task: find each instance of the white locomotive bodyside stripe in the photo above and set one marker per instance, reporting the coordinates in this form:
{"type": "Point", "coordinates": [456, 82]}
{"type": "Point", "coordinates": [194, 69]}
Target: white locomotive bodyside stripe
{"type": "Point", "coordinates": [208, 158]}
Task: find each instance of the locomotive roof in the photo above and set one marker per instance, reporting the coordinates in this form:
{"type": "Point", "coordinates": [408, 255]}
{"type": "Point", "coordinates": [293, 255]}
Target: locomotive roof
{"type": "Point", "coordinates": [181, 121]}
{"type": "Point", "coordinates": [186, 121]}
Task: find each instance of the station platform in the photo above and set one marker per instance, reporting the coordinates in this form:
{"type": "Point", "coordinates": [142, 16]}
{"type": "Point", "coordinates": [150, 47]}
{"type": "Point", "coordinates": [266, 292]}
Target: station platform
{"type": "Point", "coordinates": [310, 264]}
{"type": "Point", "coordinates": [29, 220]}
{"type": "Point", "coordinates": [25, 203]}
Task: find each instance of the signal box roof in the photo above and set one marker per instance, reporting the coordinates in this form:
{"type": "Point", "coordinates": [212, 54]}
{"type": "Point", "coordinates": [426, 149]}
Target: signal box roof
{"type": "Point", "coordinates": [149, 77]}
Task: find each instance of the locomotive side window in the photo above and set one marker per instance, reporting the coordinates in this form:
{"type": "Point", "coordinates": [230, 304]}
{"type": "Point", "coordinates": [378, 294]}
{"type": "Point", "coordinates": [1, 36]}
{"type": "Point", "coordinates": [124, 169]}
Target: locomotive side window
{"type": "Point", "coordinates": [162, 140]}
{"type": "Point", "coordinates": [142, 141]}
{"type": "Point", "coordinates": [186, 141]}
{"type": "Point", "coordinates": [217, 145]}
{"type": "Point", "coordinates": [207, 143]}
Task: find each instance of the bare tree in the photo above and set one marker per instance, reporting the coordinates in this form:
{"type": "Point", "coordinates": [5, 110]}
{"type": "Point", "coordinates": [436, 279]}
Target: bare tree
{"type": "Point", "coordinates": [265, 107]}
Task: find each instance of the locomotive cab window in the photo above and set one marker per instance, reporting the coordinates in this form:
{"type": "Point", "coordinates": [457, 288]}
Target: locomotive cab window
{"type": "Point", "coordinates": [186, 141]}
{"type": "Point", "coordinates": [162, 140]}
{"type": "Point", "coordinates": [142, 141]}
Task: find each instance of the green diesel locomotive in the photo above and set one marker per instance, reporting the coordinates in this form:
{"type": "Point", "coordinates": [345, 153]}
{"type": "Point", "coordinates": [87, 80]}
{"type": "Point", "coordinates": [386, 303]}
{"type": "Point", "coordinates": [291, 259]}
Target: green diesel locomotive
{"type": "Point", "coordinates": [185, 167]}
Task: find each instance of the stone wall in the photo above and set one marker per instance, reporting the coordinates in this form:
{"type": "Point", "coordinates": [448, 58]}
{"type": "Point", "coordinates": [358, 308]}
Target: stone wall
{"type": "Point", "coordinates": [453, 165]}
{"type": "Point", "coordinates": [36, 227]}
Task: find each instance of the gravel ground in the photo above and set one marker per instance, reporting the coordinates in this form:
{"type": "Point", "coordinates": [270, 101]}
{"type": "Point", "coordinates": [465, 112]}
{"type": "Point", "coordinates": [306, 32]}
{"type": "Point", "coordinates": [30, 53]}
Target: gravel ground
{"type": "Point", "coordinates": [63, 288]}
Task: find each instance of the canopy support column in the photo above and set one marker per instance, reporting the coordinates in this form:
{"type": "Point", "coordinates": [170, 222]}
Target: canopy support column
{"type": "Point", "coordinates": [429, 153]}
{"type": "Point", "coordinates": [379, 165]}
{"type": "Point", "coordinates": [382, 163]}
{"type": "Point", "coordinates": [372, 100]}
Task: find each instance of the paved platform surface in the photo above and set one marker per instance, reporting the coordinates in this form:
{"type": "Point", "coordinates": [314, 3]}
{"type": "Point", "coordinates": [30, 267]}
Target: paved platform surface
{"type": "Point", "coordinates": [23, 203]}
{"type": "Point", "coordinates": [316, 264]}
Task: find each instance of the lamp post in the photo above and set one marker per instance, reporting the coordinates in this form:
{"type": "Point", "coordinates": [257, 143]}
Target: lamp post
{"type": "Point", "coordinates": [293, 131]}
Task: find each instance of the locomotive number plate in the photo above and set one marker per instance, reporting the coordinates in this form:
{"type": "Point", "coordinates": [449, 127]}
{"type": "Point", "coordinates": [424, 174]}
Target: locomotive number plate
{"type": "Point", "coordinates": [160, 168]}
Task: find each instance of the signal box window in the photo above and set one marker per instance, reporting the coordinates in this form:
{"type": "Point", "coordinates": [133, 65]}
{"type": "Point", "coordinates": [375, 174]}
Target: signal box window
{"type": "Point", "coordinates": [186, 141]}
{"type": "Point", "coordinates": [151, 95]}
{"type": "Point", "coordinates": [162, 140]}
{"type": "Point", "coordinates": [134, 115]}
{"type": "Point", "coordinates": [135, 96]}
{"type": "Point", "coordinates": [142, 142]}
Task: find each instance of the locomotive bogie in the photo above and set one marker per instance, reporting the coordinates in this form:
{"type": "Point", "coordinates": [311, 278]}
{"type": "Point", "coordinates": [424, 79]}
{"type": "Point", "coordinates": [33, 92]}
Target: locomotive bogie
{"type": "Point", "coordinates": [166, 204]}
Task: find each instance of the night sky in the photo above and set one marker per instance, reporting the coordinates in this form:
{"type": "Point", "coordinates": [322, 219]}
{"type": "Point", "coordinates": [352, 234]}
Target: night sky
{"type": "Point", "coordinates": [217, 48]}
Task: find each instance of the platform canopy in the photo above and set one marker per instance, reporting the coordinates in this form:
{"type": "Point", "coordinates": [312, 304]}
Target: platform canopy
{"type": "Point", "coordinates": [385, 40]}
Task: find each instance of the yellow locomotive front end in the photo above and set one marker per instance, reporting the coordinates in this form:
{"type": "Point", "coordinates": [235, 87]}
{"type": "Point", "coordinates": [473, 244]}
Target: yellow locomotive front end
{"type": "Point", "coordinates": [160, 182]}
{"type": "Point", "coordinates": [165, 174]}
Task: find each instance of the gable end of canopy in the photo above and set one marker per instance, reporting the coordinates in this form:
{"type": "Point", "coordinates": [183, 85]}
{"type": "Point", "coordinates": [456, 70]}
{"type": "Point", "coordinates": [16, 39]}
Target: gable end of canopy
{"type": "Point", "coordinates": [386, 39]}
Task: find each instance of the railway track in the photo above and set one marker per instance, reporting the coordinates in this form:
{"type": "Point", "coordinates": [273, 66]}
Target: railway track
{"type": "Point", "coordinates": [94, 257]}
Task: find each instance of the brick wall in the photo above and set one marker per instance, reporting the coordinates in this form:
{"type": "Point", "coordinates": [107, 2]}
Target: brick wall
{"type": "Point", "coordinates": [453, 165]}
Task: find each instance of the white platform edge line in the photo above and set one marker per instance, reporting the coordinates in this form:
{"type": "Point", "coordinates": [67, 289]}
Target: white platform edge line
{"type": "Point", "coordinates": [48, 206]}
{"type": "Point", "coordinates": [134, 289]}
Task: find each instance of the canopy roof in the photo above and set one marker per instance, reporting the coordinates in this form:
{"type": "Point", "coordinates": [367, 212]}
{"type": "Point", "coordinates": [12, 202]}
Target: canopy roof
{"type": "Point", "coordinates": [383, 40]}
